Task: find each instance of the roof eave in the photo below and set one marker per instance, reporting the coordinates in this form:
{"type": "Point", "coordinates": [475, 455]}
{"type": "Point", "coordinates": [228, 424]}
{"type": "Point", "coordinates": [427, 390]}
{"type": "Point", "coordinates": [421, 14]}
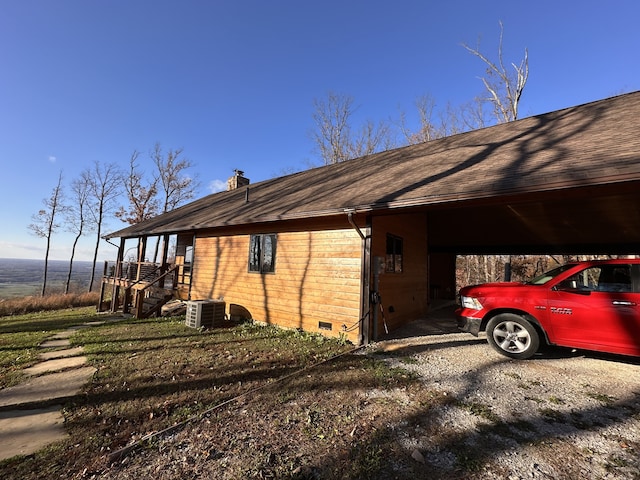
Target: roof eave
{"type": "Point", "coordinates": [424, 201]}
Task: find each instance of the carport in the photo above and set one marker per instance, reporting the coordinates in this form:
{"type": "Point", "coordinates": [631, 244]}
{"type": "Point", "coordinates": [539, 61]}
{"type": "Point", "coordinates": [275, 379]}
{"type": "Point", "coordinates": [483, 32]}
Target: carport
{"type": "Point", "coordinates": [567, 182]}
{"type": "Point", "coordinates": [601, 219]}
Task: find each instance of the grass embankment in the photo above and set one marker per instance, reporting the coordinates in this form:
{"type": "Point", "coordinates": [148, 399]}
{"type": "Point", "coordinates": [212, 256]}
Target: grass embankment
{"type": "Point", "coordinates": [155, 373]}
{"type": "Point", "coordinates": [31, 304]}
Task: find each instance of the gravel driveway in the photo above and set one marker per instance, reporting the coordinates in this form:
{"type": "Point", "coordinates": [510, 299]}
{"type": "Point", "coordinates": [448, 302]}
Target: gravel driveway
{"type": "Point", "coordinates": [561, 414]}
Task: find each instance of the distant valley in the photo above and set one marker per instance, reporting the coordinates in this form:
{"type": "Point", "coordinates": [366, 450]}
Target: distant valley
{"type": "Point", "coordinates": [21, 277]}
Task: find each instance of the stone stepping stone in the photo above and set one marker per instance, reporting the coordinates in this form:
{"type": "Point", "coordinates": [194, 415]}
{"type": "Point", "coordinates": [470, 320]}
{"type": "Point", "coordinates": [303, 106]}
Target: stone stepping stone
{"type": "Point", "coordinates": [23, 432]}
{"type": "Point", "coordinates": [69, 352]}
{"type": "Point", "coordinates": [55, 343]}
{"type": "Point", "coordinates": [47, 387]}
{"type": "Point", "coordinates": [62, 335]}
{"type": "Point", "coordinates": [55, 365]}
{"type": "Point", "coordinates": [97, 323]}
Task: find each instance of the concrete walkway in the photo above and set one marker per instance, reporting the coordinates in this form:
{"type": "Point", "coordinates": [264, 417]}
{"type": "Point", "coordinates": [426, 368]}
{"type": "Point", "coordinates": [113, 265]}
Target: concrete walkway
{"type": "Point", "coordinates": [31, 413]}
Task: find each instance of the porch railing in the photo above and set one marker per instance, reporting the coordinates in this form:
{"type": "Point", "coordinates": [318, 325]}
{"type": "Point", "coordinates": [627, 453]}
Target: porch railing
{"type": "Point", "coordinates": [145, 286]}
{"type": "Point", "coordinates": [153, 293]}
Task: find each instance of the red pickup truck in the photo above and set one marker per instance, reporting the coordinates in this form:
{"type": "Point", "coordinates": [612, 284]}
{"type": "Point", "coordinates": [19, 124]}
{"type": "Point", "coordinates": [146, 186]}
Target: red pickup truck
{"type": "Point", "coordinates": [591, 305]}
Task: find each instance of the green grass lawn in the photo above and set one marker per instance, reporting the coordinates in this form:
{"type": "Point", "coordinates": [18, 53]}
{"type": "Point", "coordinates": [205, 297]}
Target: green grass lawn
{"type": "Point", "coordinates": [155, 373]}
{"type": "Point", "coordinates": [20, 336]}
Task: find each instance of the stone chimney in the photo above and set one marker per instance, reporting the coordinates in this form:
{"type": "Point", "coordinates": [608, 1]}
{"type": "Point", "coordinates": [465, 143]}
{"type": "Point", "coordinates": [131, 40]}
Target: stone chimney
{"type": "Point", "coordinates": [238, 180]}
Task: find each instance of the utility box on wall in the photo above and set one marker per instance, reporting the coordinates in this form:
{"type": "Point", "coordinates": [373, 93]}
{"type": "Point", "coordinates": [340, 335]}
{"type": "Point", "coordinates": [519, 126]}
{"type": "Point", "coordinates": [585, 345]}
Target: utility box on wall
{"type": "Point", "coordinates": [205, 313]}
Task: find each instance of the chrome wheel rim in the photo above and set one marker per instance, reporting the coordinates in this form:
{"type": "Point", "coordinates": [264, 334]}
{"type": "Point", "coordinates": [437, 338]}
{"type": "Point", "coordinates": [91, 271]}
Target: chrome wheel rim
{"type": "Point", "coordinates": [511, 337]}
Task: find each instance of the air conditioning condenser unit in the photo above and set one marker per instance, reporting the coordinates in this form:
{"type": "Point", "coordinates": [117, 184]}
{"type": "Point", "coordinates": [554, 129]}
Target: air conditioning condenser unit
{"type": "Point", "coordinates": [205, 313]}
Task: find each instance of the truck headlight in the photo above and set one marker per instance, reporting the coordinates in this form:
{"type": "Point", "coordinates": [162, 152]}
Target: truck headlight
{"type": "Point", "coordinates": [471, 302]}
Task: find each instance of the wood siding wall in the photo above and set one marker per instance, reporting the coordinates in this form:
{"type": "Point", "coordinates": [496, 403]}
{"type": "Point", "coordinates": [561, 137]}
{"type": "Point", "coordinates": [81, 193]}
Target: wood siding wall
{"type": "Point", "coordinates": [316, 279]}
{"type": "Point", "coordinates": [405, 295]}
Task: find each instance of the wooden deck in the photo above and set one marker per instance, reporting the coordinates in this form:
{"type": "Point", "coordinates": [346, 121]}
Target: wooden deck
{"type": "Point", "coordinates": [138, 288]}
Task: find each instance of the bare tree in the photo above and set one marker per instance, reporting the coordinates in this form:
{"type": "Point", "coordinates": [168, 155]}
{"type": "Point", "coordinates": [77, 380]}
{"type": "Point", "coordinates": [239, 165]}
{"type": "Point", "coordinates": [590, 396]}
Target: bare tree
{"type": "Point", "coordinates": [333, 129]}
{"type": "Point", "coordinates": [45, 223]}
{"type": "Point", "coordinates": [143, 202]}
{"type": "Point", "coordinates": [334, 137]}
{"type": "Point", "coordinates": [77, 218]}
{"type": "Point", "coordinates": [469, 116]}
{"type": "Point", "coordinates": [372, 138]}
{"type": "Point", "coordinates": [434, 123]}
{"type": "Point", "coordinates": [427, 129]}
{"type": "Point", "coordinates": [176, 186]}
{"type": "Point", "coordinates": [504, 87]}
{"type": "Point", "coordinates": [105, 185]}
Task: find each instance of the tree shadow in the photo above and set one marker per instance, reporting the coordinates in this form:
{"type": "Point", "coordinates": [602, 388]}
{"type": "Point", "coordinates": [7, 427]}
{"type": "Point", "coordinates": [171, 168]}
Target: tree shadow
{"type": "Point", "coordinates": [383, 449]}
{"type": "Point", "coordinates": [465, 451]}
{"type": "Point", "coordinates": [447, 450]}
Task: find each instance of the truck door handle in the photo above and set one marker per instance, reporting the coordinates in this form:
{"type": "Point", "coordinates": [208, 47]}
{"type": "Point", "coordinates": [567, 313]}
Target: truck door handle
{"type": "Point", "coordinates": [622, 302]}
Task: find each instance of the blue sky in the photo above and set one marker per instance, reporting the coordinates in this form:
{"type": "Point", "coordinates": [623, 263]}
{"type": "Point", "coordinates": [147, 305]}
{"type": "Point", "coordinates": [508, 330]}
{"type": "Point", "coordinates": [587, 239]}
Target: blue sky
{"type": "Point", "coordinates": [233, 82]}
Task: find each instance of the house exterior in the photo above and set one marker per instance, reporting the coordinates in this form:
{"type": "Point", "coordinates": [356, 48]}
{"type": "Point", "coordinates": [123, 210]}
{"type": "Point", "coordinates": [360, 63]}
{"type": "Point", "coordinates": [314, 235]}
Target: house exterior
{"type": "Point", "coordinates": [365, 246]}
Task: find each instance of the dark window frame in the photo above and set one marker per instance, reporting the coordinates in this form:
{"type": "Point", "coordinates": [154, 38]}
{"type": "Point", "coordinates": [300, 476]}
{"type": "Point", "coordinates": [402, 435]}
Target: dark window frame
{"type": "Point", "coordinates": [262, 253]}
{"type": "Point", "coordinates": [394, 254]}
{"type": "Point", "coordinates": [188, 259]}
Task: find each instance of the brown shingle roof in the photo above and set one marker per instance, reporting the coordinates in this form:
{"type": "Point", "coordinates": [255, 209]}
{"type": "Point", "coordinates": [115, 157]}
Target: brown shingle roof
{"type": "Point", "coordinates": [592, 144]}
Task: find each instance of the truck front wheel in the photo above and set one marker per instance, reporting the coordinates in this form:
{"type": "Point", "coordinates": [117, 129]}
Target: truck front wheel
{"type": "Point", "coordinates": [512, 336]}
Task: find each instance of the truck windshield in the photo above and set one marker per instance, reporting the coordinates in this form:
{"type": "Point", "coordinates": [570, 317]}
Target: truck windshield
{"type": "Point", "coordinates": [550, 275]}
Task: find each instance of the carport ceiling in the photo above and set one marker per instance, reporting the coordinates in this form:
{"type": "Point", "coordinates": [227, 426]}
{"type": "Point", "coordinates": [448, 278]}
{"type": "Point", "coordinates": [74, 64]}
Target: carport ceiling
{"type": "Point", "coordinates": [604, 220]}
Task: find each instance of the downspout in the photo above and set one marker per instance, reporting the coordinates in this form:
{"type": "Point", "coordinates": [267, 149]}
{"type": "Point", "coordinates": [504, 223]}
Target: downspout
{"type": "Point", "coordinates": [353, 224]}
{"type": "Point", "coordinates": [110, 243]}
{"type": "Point", "coordinates": [364, 278]}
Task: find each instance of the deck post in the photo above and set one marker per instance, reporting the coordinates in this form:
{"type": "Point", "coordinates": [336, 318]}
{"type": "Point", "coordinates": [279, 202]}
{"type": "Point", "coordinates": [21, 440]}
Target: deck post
{"type": "Point", "coordinates": [103, 288]}
{"type": "Point", "coordinates": [115, 293]}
